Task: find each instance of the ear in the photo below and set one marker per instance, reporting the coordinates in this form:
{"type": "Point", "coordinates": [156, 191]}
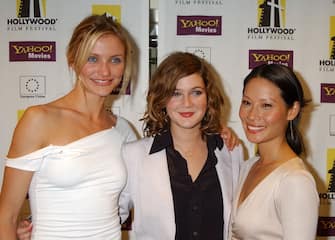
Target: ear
{"type": "Point", "coordinates": [293, 111]}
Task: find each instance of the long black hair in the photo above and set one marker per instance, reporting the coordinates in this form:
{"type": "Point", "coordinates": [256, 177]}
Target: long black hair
{"type": "Point", "coordinates": [291, 91]}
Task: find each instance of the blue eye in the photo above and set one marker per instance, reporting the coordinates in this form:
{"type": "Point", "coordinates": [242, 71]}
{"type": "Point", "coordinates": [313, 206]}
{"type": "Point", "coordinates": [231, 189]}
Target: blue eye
{"type": "Point", "coordinates": [92, 59]}
{"type": "Point", "coordinates": [197, 92]}
{"type": "Point", "coordinates": [116, 60]}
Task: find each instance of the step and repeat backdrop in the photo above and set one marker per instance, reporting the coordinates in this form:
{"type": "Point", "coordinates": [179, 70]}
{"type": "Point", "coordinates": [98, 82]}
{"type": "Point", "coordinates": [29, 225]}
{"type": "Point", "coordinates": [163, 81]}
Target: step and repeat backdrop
{"type": "Point", "coordinates": [33, 38]}
{"type": "Point", "coordinates": [236, 36]}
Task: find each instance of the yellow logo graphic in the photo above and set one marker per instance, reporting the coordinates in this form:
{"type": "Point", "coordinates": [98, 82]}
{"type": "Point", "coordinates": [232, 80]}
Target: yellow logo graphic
{"type": "Point", "coordinates": [331, 169]}
{"type": "Point", "coordinates": [271, 13]}
{"type": "Point", "coordinates": [30, 8]}
{"type": "Point", "coordinates": [110, 10]}
{"type": "Point", "coordinates": [332, 37]}
{"type": "Point", "coordinates": [19, 114]}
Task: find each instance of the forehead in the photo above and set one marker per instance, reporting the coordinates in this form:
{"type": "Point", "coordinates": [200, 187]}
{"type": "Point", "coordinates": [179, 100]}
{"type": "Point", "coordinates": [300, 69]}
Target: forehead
{"type": "Point", "coordinates": [262, 88]}
{"type": "Point", "coordinates": [190, 81]}
{"type": "Point", "coordinates": [109, 42]}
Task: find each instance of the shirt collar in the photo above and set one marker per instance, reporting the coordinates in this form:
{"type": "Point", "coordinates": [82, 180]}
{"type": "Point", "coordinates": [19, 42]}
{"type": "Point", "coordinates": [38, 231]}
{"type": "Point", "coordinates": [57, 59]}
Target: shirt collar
{"type": "Point", "coordinates": [164, 140]}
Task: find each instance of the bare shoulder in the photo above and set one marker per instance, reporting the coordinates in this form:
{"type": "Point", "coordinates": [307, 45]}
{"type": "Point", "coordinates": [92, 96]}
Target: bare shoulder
{"type": "Point", "coordinates": [37, 116]}
{"type": "Point", "coordinates": [30, 133]}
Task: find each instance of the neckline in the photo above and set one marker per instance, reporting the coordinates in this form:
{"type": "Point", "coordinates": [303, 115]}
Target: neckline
{"type": "Point", "coordinates": [265, 179]}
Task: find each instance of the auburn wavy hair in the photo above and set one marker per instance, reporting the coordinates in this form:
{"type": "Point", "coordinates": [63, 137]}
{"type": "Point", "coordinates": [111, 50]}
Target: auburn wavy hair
{"type": "Point", "coordinates": [163, 84]}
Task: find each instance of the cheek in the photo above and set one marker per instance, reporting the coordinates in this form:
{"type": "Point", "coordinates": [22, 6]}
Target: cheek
{"type": "Point", "coordinates": [86, 70]}
{"type": "Point", "coordinates": [118, 70]}
{"type": "Point", "coordinates": [242, 113]}
{"type": "Point", "coordinates": [170, 105]}
{"type": "Point", "coordinates": [203, 102]}
{"type": "Point", "coordinates": [274, 118]}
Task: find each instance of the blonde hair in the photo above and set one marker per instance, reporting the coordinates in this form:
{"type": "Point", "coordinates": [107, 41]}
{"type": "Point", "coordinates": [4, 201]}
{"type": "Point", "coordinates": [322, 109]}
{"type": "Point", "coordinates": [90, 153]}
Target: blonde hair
{"type": "Point", "coordinates": [84, 37]}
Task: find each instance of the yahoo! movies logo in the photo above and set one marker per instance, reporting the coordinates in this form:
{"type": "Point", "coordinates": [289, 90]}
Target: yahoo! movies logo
{"type": "Point", "coordinates": [271, 20]}
{"type": "Point", "coordinates": [32, 51]}
{"type": "Point", "coordinates": [31, 16]}
{"type": "Point", "coordinates": [259, 57]}
{"type": "Point", "coordinates": [326, 226]}
{"type": "Point", "coordinates": [199, 25]}
{"type": "Point", "coordinates": [327, 93]}
{"type": "Point", "coordinates": [328, 65]}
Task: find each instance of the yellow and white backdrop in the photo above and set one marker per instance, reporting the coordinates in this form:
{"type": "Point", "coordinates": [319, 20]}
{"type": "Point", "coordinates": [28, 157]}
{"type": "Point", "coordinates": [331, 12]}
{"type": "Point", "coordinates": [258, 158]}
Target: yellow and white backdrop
{"type": "Point", "coordinates": [233, 35]}
{"type": "Point", "coordinates": [238, 35]}
{"type": "Point", "coordinates": [33, 39]}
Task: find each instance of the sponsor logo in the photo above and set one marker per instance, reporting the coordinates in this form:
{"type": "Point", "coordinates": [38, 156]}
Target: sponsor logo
{"type": "Point", "coordinates": [202, 52]}
{"type": "Point", "coordinates": [199, 25]}
{"type": "Point", "coordinates": [326, 226]}
{"type": "Point", "coordinates": [19, 114]}
{"type": "Point", "coordinates": [328, 65]}
{"type": "Point", "coordinates": [262, 56]}
{"type": "Point", "coordinates": [32, 86]}
{"type": "Point", "coordinates": [271, 20]}
{"type": "Point", "coordinates": [113, 11]}
{"type": "Point", "coordinates": [199, 2]}
{"type": "Point", "coordinates": [326, 197]}
{"type": "Point", "coordinates": [31, 16]}
{"type": "Point", "coordinates": [327, 93]}
{"type": "Point", "coordinates": [32, 51]}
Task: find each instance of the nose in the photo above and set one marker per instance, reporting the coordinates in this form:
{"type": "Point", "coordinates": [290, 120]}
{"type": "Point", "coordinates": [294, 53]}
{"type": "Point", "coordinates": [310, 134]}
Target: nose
{"type": "Point", "coordinates": [103, 69]}
{"type": "Point", "coordinates": [187, 100]}
{"type": "Point", "coordinates": [252, 113]}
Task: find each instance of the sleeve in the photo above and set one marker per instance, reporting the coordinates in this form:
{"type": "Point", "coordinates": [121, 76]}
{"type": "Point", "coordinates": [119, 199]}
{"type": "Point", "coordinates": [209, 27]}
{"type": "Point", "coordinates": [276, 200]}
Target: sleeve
{"type": "Point", "coordinates": [125, 203]}
{"type": "Point", "coordinates": [237, 160]}
{"type": "Point", "coordinates": [29, 162]}
{"type": "Point", "coordinates": [297, 203]}
{"type": "Point", "coordinates": [126, 129]}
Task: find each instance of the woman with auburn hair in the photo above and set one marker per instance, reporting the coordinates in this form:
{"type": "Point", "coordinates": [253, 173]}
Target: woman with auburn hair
{"type": "Point", "coordinates": [94, 174]}
{"type": "Point", "coordinates": [181, 176]}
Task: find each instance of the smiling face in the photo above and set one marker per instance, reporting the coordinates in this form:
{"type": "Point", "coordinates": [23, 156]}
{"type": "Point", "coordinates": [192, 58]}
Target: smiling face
{"type": "Point", "coordinates": [187, 106]}
{"type": "Point", "coordinates": [263, 112]}
{"type": "Point", "coordinates": [104, 67]}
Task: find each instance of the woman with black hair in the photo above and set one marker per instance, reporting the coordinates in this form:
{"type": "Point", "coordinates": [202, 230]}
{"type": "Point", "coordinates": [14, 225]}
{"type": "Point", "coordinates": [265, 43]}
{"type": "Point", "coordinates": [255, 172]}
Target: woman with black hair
{"type": "Point", "coordinates": [277, 198]}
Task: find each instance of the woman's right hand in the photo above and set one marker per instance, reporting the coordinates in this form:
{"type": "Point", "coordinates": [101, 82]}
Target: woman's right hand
{"type": "Point", "coordinates": [23, 230]}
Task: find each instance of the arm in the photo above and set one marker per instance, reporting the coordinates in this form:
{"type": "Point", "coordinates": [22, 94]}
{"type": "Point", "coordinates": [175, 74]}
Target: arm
{"type": "Point", "coordinates": [16, 182]}
{"type": "Point", "coordinates": [229, 137]}
{"type": "Point", "coordinates": [125, 204]}
{"type": "Point", "coordinates": [298, 206]}
{"type": "Point", "coordinates": [14, 189]}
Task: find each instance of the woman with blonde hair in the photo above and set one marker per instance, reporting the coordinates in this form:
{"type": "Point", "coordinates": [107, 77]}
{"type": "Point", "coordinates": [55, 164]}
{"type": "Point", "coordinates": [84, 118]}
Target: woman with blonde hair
{"type": "Point", "coordinates": [66, 153]}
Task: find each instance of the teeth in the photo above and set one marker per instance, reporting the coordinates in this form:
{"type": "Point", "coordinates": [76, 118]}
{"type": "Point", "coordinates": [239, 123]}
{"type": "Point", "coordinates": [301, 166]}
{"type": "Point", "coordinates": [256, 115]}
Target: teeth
{"type": "Point", "coordinates": [255, 128]}
{"type": "Point", "coordinates": [100, 81]}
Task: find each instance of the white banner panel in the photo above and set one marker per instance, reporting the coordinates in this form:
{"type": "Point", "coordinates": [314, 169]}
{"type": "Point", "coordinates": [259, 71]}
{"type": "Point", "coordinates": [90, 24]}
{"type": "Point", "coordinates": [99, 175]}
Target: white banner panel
{"type": "Point", "coordinates": [33, 42]}
{"type": "Point", "coordinates": [238, 35]}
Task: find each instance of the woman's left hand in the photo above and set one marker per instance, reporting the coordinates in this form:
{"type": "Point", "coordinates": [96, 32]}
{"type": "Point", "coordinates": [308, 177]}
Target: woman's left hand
{"type": "Point", "coordinates": [230, 138]}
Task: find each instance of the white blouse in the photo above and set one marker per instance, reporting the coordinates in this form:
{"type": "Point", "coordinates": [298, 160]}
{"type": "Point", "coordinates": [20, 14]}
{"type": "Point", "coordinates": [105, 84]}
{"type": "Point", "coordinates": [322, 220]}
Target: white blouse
{"type": "Point", "coordinates": [75, 188]}
{"type": "Point", "coordinates": [284, 205]}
